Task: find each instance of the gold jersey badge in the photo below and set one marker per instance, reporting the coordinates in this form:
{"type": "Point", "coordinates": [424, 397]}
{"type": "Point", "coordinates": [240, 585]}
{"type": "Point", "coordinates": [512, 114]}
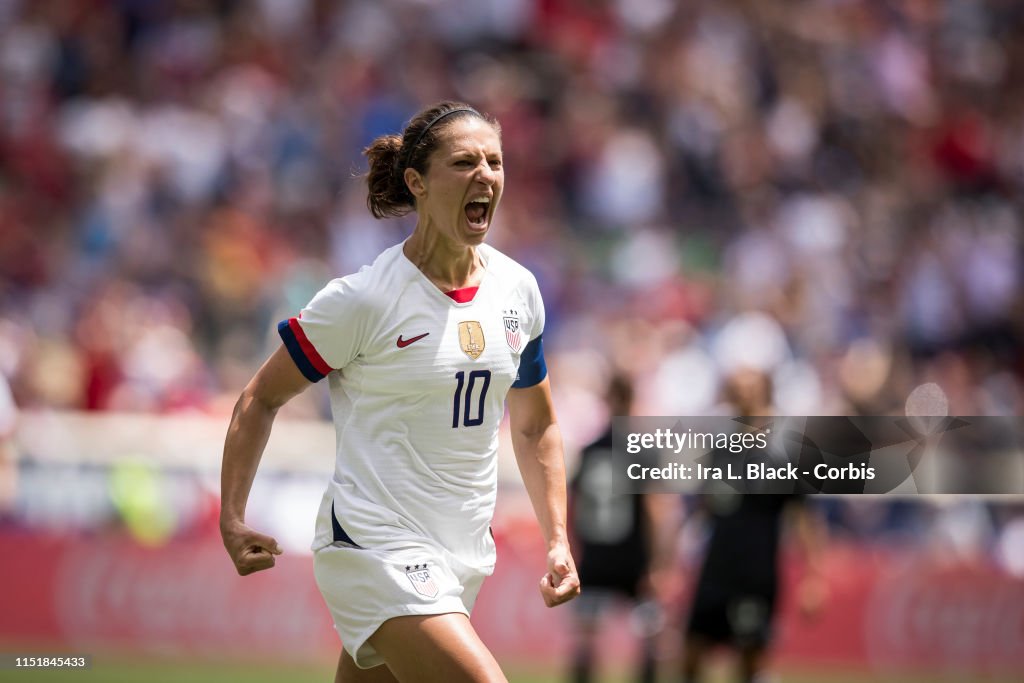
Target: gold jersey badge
{"type": "Point", "coordinates": [471, 338]}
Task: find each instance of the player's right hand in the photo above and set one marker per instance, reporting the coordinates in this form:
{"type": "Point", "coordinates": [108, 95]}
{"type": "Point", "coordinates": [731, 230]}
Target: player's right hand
{"type": "Point", "coordinates": [250, 550]}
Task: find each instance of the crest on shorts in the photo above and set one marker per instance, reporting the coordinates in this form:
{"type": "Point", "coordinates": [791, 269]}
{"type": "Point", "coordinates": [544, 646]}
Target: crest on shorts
{"type": "Point", "coordinates": [513, 334]}
{"type": "Point", "coordinates": [421, 580]}
{"type": "Point", "coordinates": [471, 338]}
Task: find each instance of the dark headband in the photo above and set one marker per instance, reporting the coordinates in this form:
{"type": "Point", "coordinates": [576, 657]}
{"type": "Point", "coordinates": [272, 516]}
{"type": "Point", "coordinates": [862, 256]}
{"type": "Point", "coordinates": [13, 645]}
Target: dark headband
{"type": "Point", "coordinates": [419, 138]}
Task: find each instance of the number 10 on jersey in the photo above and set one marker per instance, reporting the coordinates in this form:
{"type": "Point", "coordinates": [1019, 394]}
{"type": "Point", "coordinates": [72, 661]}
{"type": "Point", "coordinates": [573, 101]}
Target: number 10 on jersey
{"type": "Point", "coordinates": [465, 403]}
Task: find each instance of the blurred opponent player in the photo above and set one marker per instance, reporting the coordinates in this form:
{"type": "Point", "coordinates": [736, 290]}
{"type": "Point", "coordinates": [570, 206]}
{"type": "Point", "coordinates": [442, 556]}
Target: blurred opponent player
{"type": "Point", "coordinates": [622, 547]}
{"type": "Point", "coordinates": [421, 350]}
{"type": "Point", "coordinates": [735, 600]}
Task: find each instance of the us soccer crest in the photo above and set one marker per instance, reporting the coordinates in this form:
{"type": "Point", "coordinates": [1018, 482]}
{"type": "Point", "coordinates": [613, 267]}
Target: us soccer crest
{"type": "Point", "coordinates": [471, 338]}
{"type": "Point", "coordinates": [513, 335]}
{"type": "Point", "coordinates": [421, 580]}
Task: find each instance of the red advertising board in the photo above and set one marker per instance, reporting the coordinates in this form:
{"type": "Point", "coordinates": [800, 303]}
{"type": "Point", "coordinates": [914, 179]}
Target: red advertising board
{"type": "Point", "coordinates": [885, 612]}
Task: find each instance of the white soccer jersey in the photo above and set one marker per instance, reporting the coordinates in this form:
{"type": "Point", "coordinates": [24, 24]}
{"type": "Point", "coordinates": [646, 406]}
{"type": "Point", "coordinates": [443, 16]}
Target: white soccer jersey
{"type": "Point", "coordinates": [418, 384]}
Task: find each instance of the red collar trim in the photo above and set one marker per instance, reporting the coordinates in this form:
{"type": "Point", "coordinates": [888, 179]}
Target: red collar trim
{"type": "Point", "coordinates": [464, 295]}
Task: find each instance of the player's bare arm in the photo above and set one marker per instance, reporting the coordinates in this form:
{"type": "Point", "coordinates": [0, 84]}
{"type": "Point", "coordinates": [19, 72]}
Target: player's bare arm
{"type": "Point", "coordinates": [274, 384]}
{"type": "Point", "coordinates": [537, 442]}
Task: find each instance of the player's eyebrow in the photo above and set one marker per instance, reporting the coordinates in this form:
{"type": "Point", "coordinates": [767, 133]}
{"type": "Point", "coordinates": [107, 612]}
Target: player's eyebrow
{"type": "Point", "coordinates": [476, 154]}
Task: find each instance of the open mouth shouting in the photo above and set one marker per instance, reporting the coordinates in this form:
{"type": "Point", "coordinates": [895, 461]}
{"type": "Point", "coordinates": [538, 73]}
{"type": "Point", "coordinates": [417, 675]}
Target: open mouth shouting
{"type": "Point", "coordinates": [477, 212]}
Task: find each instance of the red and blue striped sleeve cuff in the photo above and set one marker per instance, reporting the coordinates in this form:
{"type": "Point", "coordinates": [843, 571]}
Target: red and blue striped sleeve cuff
{"type": "Point", "coordinates": [310, 363]}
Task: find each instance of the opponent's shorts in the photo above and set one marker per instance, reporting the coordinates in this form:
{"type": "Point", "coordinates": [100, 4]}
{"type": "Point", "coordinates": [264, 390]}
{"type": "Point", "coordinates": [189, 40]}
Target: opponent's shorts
{"type": "Point", "coordinates": [646, 617]}
{"type": "Point", "coordinates": [364, 588]}
{"type": "Point", "coordinates": [742, 618]}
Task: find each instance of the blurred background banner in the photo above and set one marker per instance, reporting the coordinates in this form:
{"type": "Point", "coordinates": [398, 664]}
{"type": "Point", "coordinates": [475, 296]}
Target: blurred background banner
{"type": "Point", "coordinates": [183, 599]}
{"type": "Point", "coordinates": [111, 594]}
{"type": "Point", "coordinates": [744, 206]}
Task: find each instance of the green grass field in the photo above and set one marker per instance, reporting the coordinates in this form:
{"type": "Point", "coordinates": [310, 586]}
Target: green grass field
{"type": "Point", "coordinates": [105, 670]}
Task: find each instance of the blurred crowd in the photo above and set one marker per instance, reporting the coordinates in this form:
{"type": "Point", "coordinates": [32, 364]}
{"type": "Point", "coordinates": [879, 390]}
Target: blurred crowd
{"type": "Point", "coordinates": [826, 190]}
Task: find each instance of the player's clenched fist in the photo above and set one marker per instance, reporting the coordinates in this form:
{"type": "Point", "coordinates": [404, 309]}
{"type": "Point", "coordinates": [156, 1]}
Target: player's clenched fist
{"type": "Point", "coordinates": [560, 583]}
{"type": "Point", "coordinates": [250, 550]}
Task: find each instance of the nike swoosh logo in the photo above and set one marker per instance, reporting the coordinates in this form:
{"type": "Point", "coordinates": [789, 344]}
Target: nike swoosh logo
{"type": "Point", "coordinates": [402, 343]}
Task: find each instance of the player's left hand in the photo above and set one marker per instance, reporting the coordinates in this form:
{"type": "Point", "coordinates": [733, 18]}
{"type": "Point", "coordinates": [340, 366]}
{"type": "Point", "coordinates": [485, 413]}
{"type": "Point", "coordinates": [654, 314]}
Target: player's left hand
{"type": "Point", "coordinates": [560, 583]}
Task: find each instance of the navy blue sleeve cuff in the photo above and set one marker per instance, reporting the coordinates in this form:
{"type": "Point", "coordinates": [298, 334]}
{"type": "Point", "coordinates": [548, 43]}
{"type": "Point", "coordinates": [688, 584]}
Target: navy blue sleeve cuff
{"type": "Point", "coordinates": [532, 368]}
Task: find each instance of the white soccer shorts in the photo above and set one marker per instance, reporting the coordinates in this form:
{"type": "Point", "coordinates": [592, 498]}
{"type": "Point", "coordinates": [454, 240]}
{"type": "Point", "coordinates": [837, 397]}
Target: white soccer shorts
{"type": "Point", "coordinates": [364, 588]}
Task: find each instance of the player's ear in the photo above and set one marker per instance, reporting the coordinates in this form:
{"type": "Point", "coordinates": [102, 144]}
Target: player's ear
{"type": "Point", "coordinates": [414, 181]}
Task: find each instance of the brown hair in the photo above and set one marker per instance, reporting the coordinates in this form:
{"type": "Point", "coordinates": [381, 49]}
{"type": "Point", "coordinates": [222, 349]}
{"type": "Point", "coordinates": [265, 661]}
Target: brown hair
{"type": "Point", "coordinates": [390, 155]}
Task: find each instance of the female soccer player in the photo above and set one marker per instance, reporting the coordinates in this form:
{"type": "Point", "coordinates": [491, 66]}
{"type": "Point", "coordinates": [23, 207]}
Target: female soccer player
{"type": "Point", "coordinates": [421, 351]}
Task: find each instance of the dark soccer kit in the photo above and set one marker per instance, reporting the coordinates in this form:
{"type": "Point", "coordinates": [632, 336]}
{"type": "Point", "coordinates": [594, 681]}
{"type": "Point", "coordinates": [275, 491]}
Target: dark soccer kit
{"type": "Point", "coordinates": [611, 538]}
{"type": "Point", "coordinates": [735, 598]}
